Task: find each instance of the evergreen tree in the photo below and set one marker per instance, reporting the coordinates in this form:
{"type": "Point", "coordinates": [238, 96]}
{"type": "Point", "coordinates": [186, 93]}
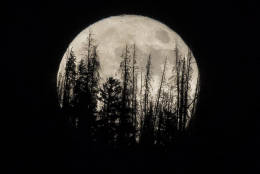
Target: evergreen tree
{"type": "Point", "coordinates": [69, 83]}
{"type": "Point", "coordinates": [70, 78]}
{"type": "Point", "coordinates": [162, 83]}
{"type": "Point", "coordinates": [148, 120]}
{"type": "Point", "coordinates": [147, 86]}
{"type": "Point", "coordinates": [82, 94]}
{"type": "Point", "coordinates": [86, 91]}
{"type": "Point", "coordinates": [126, 135]}
{"type": "Point", "coordinates": [147, 134]}
{"type": "Point", "coordinates": [112, 115]}
{"type": "Point", "coordinates": [134, 103]}
{"type": "Point", "coordinates": [183, 71]}
{"type": "Point", "coordinates": [110, 112]}
{"type": "Point", "coordinates": [93, 77]}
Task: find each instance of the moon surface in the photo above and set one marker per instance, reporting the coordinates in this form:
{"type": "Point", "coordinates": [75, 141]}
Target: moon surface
{"type": "Point", "coordinates": [149, 36]}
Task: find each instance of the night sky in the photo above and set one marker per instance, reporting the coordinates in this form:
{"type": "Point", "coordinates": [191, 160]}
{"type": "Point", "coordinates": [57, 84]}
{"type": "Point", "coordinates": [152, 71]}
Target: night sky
{"type": "Point", "coordinates": [222, 38]}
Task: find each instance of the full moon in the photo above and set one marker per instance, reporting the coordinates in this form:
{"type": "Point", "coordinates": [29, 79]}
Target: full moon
{"type": "Point", "coordinates": [150, 37]}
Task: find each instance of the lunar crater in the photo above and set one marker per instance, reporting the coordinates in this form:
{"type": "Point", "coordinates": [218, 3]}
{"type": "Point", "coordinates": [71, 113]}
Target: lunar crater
{"type": "Point", "coordinates": [163, 36]}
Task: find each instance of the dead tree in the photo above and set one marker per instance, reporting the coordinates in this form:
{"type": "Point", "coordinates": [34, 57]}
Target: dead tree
{"type": "Point", "coordinates": [126, 135]}
{"type": "Point", "coordinates": [177, 70]}
{"type": "Point", "coordinates": [187, 89]}
{"type": "Point", "coordinates": [161, 86]}
{"type": "Point", "coordinates": [147, 85]}
{"type": "Point", "coordinates": [148, 111]}
{"type": "Point", "coordinates": [134, 87]}
{"type": "Point", "coordinates": [184, 71]}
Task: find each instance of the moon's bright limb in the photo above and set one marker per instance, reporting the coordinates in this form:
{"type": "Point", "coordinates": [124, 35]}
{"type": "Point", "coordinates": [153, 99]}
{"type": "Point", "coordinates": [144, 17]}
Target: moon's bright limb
{"type": "Point", "coordinates": [150, 37]}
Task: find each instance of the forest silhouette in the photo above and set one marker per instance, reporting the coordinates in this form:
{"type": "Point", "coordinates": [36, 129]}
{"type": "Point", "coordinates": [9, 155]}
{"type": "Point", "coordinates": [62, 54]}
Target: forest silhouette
{"type": "Point", "coordinates": [116, 114]}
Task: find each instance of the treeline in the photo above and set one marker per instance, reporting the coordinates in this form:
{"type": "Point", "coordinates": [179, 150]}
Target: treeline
{"type": "Point", "coordinates": [120, 112]}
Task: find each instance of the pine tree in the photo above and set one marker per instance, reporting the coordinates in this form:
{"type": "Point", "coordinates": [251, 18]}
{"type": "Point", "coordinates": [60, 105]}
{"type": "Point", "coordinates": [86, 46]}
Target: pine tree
{"type": "Point", "coordinates": [60, 88]}
{"type": "Point", "coordinates": [187, 89]}
{"type": "Point", "coordinates": [160, 87]}
{"type": "Point", "coordinates": [82, 94]}
{"type": "Point", "coordinates": [70, 78]}
{"type": "Point", "coordinates": [183, 69]}
{"type": "Point", "coordinates": [193, 104]}
{"type": "Point", "coordinates": [86, 91]}
{"type": "Point", "coordinates": [126, 126]}
{"type": "Point", "coordinates": [177, 69]}
{"type": "Point", "coordinates": [93, 77]}
{"type": "Point", "coordinates": [147, 127]}
{"type": "Point", "coordinates": [93, 67]}
{"type": "Point", "coordinates": [134, 91]}
{"type": "Point", "coordinates": [110, 112]}
{"type": "Point", "coordinates": [147, 134]}
{"type": "Point", "coordinates": [69, 83]}
{"type": "Point", "coordinates": [147, 89]}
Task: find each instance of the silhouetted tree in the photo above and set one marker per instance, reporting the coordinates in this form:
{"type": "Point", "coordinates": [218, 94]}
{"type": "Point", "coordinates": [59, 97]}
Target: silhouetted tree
{"type": "Point", "coordinates": [82, 95]}
{"type": "Point", "coordinates": [70, 77]}
{"type": "Point", "coordinates": [126, 133]}
{"type": "Point", "coordinates": [147, 127]}
{"type": "Point", "coordinates": [60, 88]}
{"type": "Point", "coordinates": [141, 100]}
{"type": "Point", "coordinates": [134, 91]}
{"type": "Point", "coordinates": [193, 104]}
{"type": "Point", "coordinates": [110, 113]}
{"type": "Point", "coordinates": [86, 90]}
{"type": "Point", "coordinates": [147, 86]}
{"type": "Point", "coordinates": [147, 134]}
{"type": "Point", "coordinates": [183, 71]}
{"type": "Point", "coordinates": [69, 84]}
{"type": "Point", "coordinates": [160, 88]}
{"type": "Point", "coordinates": [93, 67]}
{"type": "Point", "coordinates": [187, 89]}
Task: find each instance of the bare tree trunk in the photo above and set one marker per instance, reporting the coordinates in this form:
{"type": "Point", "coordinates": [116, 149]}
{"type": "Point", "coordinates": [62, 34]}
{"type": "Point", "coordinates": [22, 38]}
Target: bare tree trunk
{"type": "Point", "coordinates": [182, 90]}
{"type": "Point", "coordinates": [177, 69]}
{"type": "Point", "coordinates": [133, 88]}
{"type": "Point", "coordinates": [147, 84]}
{"type": "Point", "coordinates": [141, 104]}
{"type": "Point", "coordinates": [187, 88]}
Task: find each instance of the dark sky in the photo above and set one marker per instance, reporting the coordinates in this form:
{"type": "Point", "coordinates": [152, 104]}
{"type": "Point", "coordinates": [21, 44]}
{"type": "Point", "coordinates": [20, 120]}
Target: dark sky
{"type": "Point", "coordinates": [222, 37]}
